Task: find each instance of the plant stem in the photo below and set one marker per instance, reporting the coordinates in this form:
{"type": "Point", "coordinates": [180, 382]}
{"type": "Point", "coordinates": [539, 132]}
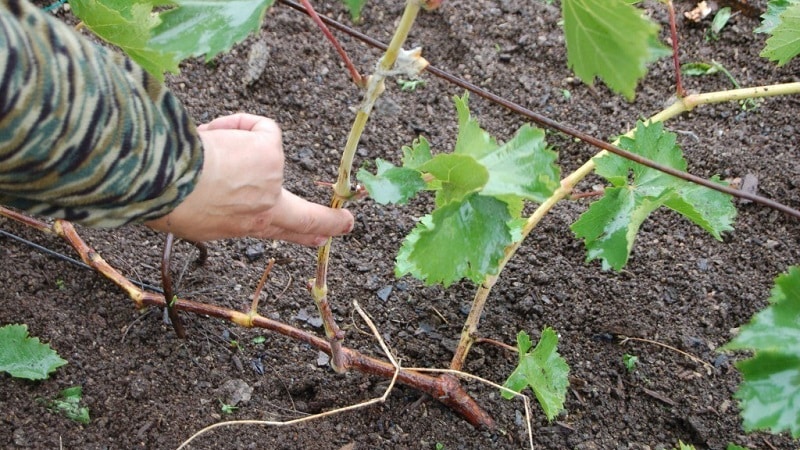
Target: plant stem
{"type": "Point", "coordinates": [342, 190]}
{"type": "Point", "coordinates": [445, 389]}
{"type": "Point", "coordinates": [567, 184]}
{"type": "Point", "coordinates": [357, 79]}
{"type": "Point", "coordinates": [673, 33]}
{"type": "Point", "coordinates": [166, 285]}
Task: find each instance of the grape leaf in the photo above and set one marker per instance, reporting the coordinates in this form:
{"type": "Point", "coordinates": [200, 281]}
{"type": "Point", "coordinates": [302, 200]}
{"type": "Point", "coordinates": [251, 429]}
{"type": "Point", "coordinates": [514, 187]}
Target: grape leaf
{"type": "Point", "coordinates": [128, 25]}
{"type": "Point", "coordinates": [463, 238]}
{"type": "Point", "coordinates": [523, 166]}
{"type": "Point", "coordinates": [458, 176]}
{"type": "Point", "coordinates": [25, 357]}
{"type": "Point", "coordinates": [770, 392]}
{"type": "Point", "coordinates": [418, 154]}
{"type": "Point", "coordinates": [609, 39]}
{"type": "Point", "coordinates": [207, 27]}
{"type": "Point", "coordinates": [784, 44]}
{"type": "Point", "coordinates": [610, 224]}
{"type": "Point", "coordinates": [391, 184]}
{"type": "Point", "coordinates": [355, 7]}
{"type": "Point", "coordinates": [771, 18]}
{"type": "Point", "coordinates": [543, 369]}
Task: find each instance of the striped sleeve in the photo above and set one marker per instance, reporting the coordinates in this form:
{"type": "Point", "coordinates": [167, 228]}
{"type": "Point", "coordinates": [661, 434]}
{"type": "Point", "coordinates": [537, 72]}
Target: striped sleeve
{"type": "Point", "coordinates": [85, 134]}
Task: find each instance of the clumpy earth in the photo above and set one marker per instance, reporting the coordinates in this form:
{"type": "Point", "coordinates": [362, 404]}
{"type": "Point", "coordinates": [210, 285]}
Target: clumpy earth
{"type": "Point", "coordinates": [148, 389]}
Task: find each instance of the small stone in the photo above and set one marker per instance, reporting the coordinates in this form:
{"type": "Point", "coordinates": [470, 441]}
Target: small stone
{"type": "Point", "coordinates": [384, 292]}
{"type": "Point", "coordinates": [235, 391]}
{"type": "Point", "coordinates": [323, 359]}
{"type": "Point", "coordinates": [255, 251]}
{"type": "Point", "coordinates": [257, 59]}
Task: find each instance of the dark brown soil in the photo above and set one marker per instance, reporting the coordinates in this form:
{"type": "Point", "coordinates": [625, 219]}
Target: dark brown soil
{"type": "Point", "coordinates": [148, 389]}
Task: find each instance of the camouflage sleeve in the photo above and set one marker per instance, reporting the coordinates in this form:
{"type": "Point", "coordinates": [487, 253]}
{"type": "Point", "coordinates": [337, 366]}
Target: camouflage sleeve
{"type": "Point", "coordinates": [85, 134]}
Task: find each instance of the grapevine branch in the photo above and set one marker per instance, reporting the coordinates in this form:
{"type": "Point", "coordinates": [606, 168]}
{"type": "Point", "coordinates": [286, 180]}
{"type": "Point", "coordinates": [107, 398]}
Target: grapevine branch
{"type": "Point", "coordinates": [445, 389]}
{"type": "Point", "coordinates": [685, 104]}
{"type": "Point", "coordinates": [393, 54]}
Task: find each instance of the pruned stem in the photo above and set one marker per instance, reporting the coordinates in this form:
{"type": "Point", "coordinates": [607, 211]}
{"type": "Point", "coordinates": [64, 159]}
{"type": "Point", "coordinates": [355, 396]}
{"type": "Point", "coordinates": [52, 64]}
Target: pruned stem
{"type": "Point", "coordinates": [166, 285]}
{"type": "Point", "coordinates": [342, 188]}
{"type": "Point", "coordinates": [445, 389]}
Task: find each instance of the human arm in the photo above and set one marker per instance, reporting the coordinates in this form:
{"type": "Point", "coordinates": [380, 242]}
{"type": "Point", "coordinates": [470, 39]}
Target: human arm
{"type": "Point", "coordinates": [88, 136]}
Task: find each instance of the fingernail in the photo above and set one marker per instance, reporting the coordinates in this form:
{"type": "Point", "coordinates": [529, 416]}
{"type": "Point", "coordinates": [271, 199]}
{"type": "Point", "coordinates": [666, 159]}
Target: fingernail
{"type": "Point", "coordinates": [349, 227]}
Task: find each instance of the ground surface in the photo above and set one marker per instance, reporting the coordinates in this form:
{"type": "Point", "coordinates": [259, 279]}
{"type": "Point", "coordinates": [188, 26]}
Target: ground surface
{"type": "Point", "coordinates": [148, 389]}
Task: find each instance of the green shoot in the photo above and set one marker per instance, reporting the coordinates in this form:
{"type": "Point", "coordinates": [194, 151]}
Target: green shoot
{"type": "Point", "coordinates": [60, 284]}
{"type": "Point", "coordinates": [25, 357]}
{"type": "Point", "coordinates": [630, 362]}
{"type": "Point", "coordinates": [259, 340]}
{"type": "Point", "coordinates": [68, 403]}
{"type": "Point", "coordinates": [227, 409]}
{"type": "Point", "coordinates": [410, 85]}
{"type": "Point", "coordinates": [720, 20]}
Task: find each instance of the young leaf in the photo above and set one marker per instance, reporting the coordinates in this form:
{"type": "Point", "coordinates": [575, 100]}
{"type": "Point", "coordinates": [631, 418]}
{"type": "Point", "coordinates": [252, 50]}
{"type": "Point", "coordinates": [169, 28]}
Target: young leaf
{"type": "Point", "coordinates": [771, 18]}
{"type": "Point", "coordinates": [207, 27]}
{"type": "Point", "coordinates": [69, 404]}
{"type": "Point", "coordinates": [610, 225]}
{"type": "Point", "coordinates": [784, 44]}
{"type": "Point", "coordinates": [770, 393]}
{"type": "Point", "coordinates": [391, 184]}
{"type": "Point", "coordinates": [418, 154]}
{"type": "Point", "coordinates": [355, 7]}
{"type": "Point", "coordinates": [25, 357]}
{"type": "Point", "coordinates": [609, 39]}
{"type": "Point", "coordinates": [458, 175]}
{"type": "Point", "coordinates": [523, 167]}
{"type": "Point", "coordinates": [543, 369]}
{"type": "Point", "coordinates": [127, 25]}
{"type": "Point", "coordinates": [461, 239]}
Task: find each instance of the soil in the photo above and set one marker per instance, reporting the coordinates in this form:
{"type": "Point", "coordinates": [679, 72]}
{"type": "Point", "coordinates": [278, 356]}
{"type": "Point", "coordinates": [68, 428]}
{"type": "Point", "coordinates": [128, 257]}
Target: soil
{"type": "Point", "coordinates": [148, 389]}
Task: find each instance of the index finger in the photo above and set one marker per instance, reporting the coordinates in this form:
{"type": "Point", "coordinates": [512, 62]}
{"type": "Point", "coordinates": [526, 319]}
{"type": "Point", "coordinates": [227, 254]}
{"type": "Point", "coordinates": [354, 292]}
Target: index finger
{"type": "Point", "coordinates": [241, 121]}
{"type": "Point", "coordinates": [298, 215]}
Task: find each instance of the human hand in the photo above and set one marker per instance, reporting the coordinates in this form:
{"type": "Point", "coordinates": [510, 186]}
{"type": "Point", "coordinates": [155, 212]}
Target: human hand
{"type": "Point", "coordinates": [240, 190]}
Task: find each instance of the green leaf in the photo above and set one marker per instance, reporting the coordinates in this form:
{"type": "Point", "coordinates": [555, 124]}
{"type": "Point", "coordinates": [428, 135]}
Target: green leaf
{"type": "Point", "coordinates": [543, 369]}
{"type": "Point", "coordinates": [523, 167]}
{"type": "Point", "coordinates": [418, 154]}
{"type": "Point", "coordinates": [128, 25]}
{"type": "Point", "coordinates": [355, 7]}
{"type": "Point", "coordinates": [784, 44]}
{"type": "Point", "coordinates": [610, 225]}
{"type": "Point", "coordinates": [770, 393]}
{"type": "Point", "coordinates": [611, 40]}
{"type": "Point", "coordinates": [472, 139]}
{"type": "Point", "coordinates": [460, 175]}
{"type": "Point", "coordinates": [711, 210]}
{"type": "Point", "coordinates": [697, 69]}
{"type": "Point", "coordinates": [207, 27]}
{"type": "Point", "coordinates": [69, 404]}
{"type": "Point", "coordinates": [391, 184]}
{"type": "Point", "coordinates": [464, 239]}
{"type": "Point", "coordinates": [771, 18]}
{"type": "Point", "coordinates": [25, 357]}
{"type": "Point", "coordinates": [735, 447]}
